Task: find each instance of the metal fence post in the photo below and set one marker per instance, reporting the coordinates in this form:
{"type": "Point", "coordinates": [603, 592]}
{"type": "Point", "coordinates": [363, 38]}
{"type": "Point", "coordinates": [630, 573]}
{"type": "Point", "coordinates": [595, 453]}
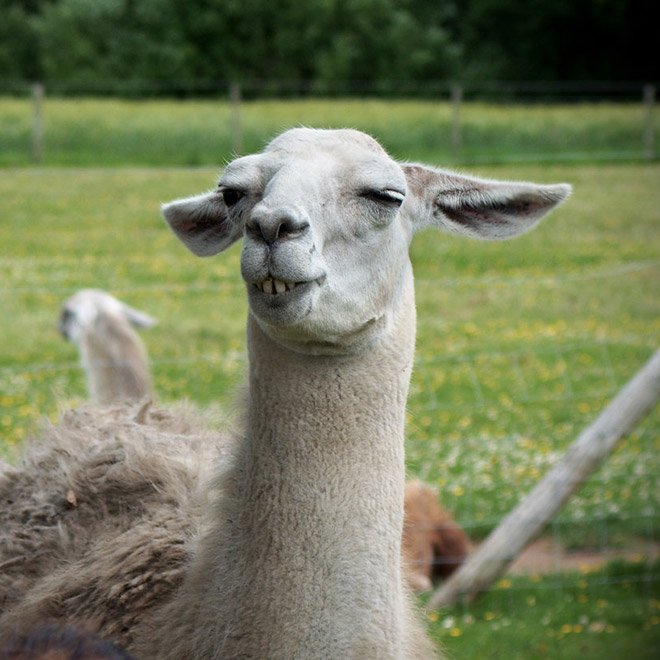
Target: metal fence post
{"type": "Point", "coordinates": [456, 138]}
{"type": "Point", "coordinates": [235, 122]}
{"type": "Point", "coordinates": [649, 102]}
{"type": "Point", "coordinates": [37, 123]}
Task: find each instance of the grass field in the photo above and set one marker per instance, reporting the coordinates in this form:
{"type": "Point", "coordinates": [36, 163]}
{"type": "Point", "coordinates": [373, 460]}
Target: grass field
{"type": "Point", "coordinates": [520, 345]}
{"type": "Point", "coordinates": [192, 133]}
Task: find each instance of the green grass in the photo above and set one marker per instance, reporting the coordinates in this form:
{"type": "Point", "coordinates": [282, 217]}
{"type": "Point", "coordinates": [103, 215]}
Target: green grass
{"type": "Point", "coordinates": [520, 345]}
{"type": "Point", "coordinates": [611, 614]}
{"type": "Point", "coordinates": [114, 132]}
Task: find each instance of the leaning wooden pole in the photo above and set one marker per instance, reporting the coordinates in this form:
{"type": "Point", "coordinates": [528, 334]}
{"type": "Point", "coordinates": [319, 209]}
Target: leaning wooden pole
{"type": "Point", "coordinates": [591, 448]}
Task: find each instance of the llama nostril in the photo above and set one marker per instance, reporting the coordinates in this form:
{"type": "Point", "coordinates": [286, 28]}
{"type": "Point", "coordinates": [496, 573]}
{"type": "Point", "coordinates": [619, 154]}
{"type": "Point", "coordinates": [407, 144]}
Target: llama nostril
{"type": "Point", "coordinates": [277, 227]}
{"type": "Point", "coordinates": [291, 227]}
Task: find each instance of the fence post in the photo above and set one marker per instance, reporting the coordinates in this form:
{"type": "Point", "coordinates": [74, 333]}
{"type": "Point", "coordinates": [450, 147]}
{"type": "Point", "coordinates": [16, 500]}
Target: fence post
{"type": "Point", "coordinates": [37, 123]}
{"type": "Point", "coordinates": [456, 100]}
{"type": "Point", "coordinates": [235, 123]}
{"type": "Point", "coordinates": [649, 102]}
{"type": "Point", "coordinates": [530, 516]}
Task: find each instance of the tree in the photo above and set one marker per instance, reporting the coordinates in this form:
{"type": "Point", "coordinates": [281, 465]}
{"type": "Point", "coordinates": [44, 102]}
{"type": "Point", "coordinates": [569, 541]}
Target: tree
{"type": "Point", "coordinates": [375, 40]}
{"type": "Point", "coordinates": [112, 39]}
{"type": "Point", "coordinates": [560, 40]}
{"type": "Point", "coordinates": [19, 43]}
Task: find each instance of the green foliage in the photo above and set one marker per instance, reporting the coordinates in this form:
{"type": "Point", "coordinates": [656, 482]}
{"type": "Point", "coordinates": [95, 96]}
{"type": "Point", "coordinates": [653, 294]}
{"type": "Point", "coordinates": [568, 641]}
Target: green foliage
{"type": "Point", "coordinates": [317, 40]}
{"type": "Point", "coordinates": [560, 40]}
{"type": "Point", "coordinates": [19, 44]}
{"type": "Point", "coordinates": [111, 39]}
{"type": "Point", "coordinates": [325, 41]}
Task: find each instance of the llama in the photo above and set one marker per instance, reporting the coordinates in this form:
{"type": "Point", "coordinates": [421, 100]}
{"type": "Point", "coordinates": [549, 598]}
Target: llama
{"type": "Point", "coordinates": [434, 546]}
{"type": "Point", "coordinates": [112, 354]}
{"type": "Point", "coordinates": [298, 553]}
{"type": "Point", "coordinates": [99, 475]}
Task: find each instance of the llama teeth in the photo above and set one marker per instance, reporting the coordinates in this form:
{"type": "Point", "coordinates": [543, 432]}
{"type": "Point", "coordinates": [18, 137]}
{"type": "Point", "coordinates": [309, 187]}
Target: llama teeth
{"type": "Point", "coordinates": [272, 286]}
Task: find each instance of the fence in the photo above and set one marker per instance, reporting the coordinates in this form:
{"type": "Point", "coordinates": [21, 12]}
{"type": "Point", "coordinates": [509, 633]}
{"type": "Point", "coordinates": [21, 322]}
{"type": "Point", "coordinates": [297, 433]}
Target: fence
{"type": "Point", "coordinates": [517, 352]}
{"type": "Point", "coordinates": [470, 127]}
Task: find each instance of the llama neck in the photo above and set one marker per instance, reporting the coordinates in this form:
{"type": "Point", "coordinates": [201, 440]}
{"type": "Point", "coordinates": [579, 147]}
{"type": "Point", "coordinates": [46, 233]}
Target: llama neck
{"type": "Point", "coordinates": [318, 506]}
{"type": "Point", "coordinates": [116, 364]}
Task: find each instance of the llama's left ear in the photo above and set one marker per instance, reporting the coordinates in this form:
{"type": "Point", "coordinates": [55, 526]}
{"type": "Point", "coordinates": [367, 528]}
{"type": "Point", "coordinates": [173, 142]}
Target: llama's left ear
{"type": "Point", "coordinates": [202, 224]}
{"type": "Point", "coordinates": [476, 207]}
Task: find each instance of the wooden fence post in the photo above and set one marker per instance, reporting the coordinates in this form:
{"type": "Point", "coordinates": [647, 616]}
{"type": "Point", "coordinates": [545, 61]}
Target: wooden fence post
{"type": "Point", "coordinates": [37, 123]}
{"type": "Point", "coordinates": [456, 138]}
{"type": "Point", "coordinates": [649, 102]}
{"type": "Point", "coordinates": [531, 515]}
{"type": "Point", "coordinates": [235, 102]}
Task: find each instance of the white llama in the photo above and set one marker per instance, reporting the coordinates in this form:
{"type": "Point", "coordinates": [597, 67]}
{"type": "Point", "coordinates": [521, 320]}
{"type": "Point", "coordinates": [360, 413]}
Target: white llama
{"type": "Point", "coordinates": [300, 554]}
{"type": "Point", "coordinates": [309, 540]}
{"type": "Point", "coordinates": [111, 352]}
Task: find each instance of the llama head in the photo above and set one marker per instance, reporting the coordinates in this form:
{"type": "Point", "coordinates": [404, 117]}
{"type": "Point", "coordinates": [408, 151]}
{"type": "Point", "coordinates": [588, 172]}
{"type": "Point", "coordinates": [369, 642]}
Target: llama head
{"type": "Point", "coordinates": [326, 218]}
{"type": "Point", "coordinates": [82, 311]}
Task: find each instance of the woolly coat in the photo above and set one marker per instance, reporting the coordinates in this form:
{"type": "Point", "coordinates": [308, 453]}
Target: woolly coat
{"type": "Point", "coordinates": [98, 521]}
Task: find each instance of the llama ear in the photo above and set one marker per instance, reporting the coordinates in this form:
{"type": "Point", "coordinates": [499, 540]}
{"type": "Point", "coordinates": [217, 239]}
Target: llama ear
{"type": "Point", "coordinates": [201, 223]}
{"type": "Point", "coordinates": [480, 208]}
{"type": "Point", "coordinates": [137, 318]}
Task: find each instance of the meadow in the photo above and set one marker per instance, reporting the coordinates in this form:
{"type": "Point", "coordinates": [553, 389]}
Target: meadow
{"type": "Point", "coordinates": [91, 132]}
{"type": "Point", "coordinates": [520, 344]}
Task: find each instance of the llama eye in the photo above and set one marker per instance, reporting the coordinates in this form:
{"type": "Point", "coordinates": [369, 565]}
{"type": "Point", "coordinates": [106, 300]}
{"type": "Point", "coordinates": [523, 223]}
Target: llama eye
{"type": "Point", "coordinates": [231, 196]}
{"type": "Point", "coordinates": [388, 196]}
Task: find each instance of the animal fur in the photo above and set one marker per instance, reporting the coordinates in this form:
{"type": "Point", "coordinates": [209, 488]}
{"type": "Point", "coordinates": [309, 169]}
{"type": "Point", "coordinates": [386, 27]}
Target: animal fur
{"type": "Point", "coordinates": [103, 508]}
{"type": "Point", "coordinates": [434, 545]}
{"type": "Point", "coordinates": [52, 642]}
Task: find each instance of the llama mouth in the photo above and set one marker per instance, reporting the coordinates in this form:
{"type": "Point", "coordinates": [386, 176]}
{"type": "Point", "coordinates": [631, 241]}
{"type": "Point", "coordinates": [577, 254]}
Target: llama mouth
{"type": "Point", "coordinates": [274, 286]}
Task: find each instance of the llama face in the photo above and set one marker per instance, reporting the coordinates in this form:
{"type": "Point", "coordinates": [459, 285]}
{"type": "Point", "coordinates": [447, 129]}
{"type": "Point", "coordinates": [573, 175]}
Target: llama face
{"type": "Point", "coordinates": [81, 311]}
{"type": "Point", "coordinates": [326, 218]}
{"type": "Point", "coordinates": [325, 245]}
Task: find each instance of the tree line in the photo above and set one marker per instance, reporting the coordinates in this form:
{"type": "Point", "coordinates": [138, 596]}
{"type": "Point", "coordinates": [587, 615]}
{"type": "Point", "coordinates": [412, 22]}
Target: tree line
{"type": "Point", "coordinates": [327, 41]}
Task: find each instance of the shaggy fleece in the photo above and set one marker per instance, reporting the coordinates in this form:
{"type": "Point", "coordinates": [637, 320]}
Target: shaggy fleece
{"type": "Point", "coordinates": [97, 521]}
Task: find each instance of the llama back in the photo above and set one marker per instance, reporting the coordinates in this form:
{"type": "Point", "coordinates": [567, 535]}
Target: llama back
{"type": "Point", "coordinates": [99, 516]}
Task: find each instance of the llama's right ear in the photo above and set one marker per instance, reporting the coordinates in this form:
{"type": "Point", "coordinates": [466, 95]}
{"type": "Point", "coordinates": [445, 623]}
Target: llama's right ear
{"type": "Point", "coordinates": [137, 318]}
{"type": "Point", "coordinates": [201, 223]}
{"type": "Point", "coordinates": [481, 208]}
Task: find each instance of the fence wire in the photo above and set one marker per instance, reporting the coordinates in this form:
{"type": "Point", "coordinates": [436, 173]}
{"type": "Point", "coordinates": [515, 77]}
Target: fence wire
{"type": "Point", "coordinates": [484, 425]}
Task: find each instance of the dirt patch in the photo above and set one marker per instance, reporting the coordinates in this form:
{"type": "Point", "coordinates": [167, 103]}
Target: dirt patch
{"type": "Point", "coordinates": [545, 555]}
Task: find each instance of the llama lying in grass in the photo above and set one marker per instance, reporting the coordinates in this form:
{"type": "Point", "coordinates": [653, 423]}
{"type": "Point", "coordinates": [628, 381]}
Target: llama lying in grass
{"type": "Point", "coordinates": [98, 475]}
{"type": "Point", "coordinates": [111, 352]}
{"type": "Point", "coordinates": [434, 545]}
{"type": "Point", "coordinates": [298, 552]}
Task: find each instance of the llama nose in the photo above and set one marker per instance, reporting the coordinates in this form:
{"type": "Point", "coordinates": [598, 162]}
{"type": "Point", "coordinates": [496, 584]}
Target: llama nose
{"type": "Point", "coordinates": [279, 226]}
